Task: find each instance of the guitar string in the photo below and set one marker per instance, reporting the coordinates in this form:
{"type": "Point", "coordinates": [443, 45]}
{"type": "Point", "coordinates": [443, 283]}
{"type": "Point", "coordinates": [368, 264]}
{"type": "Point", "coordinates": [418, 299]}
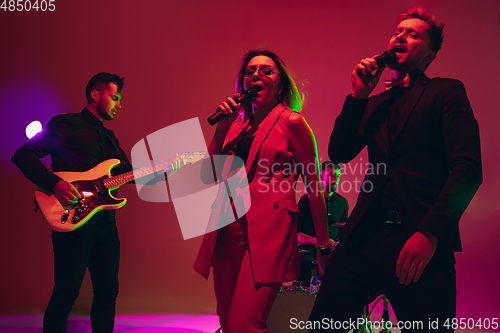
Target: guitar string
{"type": "Point", "coordinates": [93, 183]}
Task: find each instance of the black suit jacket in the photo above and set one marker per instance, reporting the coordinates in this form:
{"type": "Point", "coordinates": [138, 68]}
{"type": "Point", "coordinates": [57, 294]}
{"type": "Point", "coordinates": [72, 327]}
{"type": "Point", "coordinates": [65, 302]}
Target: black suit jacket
{"type": "Point", "coordinates": [433, 164]}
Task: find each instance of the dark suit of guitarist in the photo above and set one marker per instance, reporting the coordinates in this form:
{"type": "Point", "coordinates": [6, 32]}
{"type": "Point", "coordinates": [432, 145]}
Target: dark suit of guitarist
{"type": "Point", "coordinates": [78, 142]}
{"type": "Point", "coordinates": [423, 144]}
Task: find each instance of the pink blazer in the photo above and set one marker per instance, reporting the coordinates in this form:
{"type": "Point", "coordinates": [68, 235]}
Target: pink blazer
{"type": "Point", "coordinates": [272, 223]}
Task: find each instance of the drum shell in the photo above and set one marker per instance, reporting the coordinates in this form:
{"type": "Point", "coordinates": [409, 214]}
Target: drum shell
{"type": "Point", "coordinates": [293, 302]}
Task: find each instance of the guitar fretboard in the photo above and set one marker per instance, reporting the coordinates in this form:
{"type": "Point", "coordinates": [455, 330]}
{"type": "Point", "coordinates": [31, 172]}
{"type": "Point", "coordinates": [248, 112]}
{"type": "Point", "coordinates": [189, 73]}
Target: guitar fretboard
{"type": "Point", "coordinates": [116, 181]}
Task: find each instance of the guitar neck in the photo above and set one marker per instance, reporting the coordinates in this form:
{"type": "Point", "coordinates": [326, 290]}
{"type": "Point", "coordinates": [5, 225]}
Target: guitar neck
{"type": "Point", "coordinates": [115, 182]}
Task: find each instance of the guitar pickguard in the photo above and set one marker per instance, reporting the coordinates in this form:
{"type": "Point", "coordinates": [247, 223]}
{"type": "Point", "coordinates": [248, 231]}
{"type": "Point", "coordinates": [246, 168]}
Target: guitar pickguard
{"type": "Point", "coordinates": [95, 197]}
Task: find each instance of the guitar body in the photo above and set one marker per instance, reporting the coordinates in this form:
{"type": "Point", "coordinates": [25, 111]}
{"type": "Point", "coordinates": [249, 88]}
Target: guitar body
{"type": "Point", "coordinates": [95, 187]}
{"type": "Point", "coordinates": [95, 197]}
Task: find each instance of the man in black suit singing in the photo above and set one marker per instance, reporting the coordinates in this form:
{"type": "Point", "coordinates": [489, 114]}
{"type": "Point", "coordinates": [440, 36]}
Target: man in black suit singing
{"type": "Point", "coordinates": [400, 238]}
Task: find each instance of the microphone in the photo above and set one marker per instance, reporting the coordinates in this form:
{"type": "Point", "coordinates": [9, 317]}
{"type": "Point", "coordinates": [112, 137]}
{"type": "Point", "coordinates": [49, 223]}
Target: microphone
{"type": "Point", "coordinates": [247, 96]}
{"type": "Point", "coordinates": [386, 58]}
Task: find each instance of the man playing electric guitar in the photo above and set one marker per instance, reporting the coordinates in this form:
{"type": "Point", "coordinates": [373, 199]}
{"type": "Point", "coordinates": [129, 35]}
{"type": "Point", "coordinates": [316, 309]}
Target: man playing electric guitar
{"type": "Point", "coordinates": [78, 142]}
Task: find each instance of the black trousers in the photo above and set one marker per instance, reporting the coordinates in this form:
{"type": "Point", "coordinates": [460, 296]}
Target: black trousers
{"type": "Point", "coordinates": [354, 277]}
{"type": "Point", "coordinates": [95, 246]}
{"type": "Point", "coordinates": [306, 266]}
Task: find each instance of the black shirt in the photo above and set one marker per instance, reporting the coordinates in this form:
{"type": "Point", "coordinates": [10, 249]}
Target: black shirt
{"type": "Point", "coordinates": [337, 208]}
{"type": "Point", "coordinates": [395, 105]}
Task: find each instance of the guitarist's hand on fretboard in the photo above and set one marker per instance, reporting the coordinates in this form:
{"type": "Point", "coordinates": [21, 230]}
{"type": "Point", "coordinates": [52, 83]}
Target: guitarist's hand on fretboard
{"type": "Point", "coordinates": [177, 163]}
{"type": "Point", "coordinates": [66, 193]}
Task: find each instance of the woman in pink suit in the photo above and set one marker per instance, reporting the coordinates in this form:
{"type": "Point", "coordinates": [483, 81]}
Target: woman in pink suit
{"type": "Point", "coordinates": [253, 256]}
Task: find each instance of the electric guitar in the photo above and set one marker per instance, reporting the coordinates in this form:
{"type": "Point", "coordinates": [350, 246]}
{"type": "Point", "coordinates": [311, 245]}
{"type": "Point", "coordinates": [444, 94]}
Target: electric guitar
{"type": "Point", "coordinates": [95, 186]}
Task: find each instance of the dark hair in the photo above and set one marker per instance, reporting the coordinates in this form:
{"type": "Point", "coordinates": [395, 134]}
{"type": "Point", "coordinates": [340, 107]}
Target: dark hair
{"type": "Point", "coordinates": [290, 95]}
{"type": "Point", "coordinates": [436, 33]}
{"type": "Point", "coordinates": [100, 81]}
{"type": "Point", "coordinates": [328, 164]}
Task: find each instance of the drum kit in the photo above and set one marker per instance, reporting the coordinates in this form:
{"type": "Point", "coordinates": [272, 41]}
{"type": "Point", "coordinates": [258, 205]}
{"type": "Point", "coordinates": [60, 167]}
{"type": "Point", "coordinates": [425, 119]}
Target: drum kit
{"type": "Point", "coordinates": [296, 301]}
{"type": "Point", "coordinates": [293, 301]}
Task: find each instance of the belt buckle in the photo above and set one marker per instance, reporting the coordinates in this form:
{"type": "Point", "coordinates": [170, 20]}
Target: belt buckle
{"type": "Point", "coordinates": [393, 217]}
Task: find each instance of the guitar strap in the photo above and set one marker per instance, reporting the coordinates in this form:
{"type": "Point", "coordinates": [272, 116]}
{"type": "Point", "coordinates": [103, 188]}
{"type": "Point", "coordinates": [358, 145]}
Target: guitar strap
{"type": "Point", "coordinates": [103, 129]}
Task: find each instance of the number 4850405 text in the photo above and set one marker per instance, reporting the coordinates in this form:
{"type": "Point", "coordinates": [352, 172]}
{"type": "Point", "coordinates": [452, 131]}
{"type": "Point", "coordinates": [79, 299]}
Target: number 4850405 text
{"type": "Point", "coordinates": [28, 5]}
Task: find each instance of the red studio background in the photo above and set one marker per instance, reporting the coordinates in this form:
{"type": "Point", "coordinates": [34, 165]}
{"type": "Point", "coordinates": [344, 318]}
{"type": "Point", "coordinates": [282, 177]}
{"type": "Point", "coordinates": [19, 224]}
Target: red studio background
{"type": "Point", "coordinates": [180, 59]}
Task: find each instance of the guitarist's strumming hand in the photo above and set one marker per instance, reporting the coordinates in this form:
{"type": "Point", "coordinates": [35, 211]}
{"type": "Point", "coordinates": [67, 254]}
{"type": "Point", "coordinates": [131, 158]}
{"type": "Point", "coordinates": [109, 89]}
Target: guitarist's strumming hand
{"type": "Point", "coordinates": [66, 193]}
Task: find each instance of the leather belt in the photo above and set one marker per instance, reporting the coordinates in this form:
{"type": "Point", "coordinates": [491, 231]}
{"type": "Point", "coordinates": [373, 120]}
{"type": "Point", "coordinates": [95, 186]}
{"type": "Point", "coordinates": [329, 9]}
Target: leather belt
{"type": "Point", "coordinates": [393, 217]}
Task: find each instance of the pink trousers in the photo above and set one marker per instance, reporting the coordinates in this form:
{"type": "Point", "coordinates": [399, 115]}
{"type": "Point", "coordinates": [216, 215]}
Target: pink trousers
{"type": "Point", "coordinates": [242, 305]}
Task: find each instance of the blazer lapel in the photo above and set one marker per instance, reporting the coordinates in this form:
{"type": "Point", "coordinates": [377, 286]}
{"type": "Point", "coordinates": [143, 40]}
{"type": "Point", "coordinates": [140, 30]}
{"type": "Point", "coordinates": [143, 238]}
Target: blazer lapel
{"type": "Point", "coordinates": [262, 134]}
{"type": "Point", "coordinates": [375, 123]}
{"type": "Point", "coordinates": [415, 94]}
{"type": "Point", "coordinates": [231, 144]}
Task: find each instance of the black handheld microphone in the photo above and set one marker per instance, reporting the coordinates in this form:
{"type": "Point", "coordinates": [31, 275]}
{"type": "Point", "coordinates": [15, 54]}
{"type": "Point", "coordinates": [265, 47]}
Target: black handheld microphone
{"type": "Point", "coordinates": [386, 58]}
{"type": "Point", "coordinates": [247, 96]}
